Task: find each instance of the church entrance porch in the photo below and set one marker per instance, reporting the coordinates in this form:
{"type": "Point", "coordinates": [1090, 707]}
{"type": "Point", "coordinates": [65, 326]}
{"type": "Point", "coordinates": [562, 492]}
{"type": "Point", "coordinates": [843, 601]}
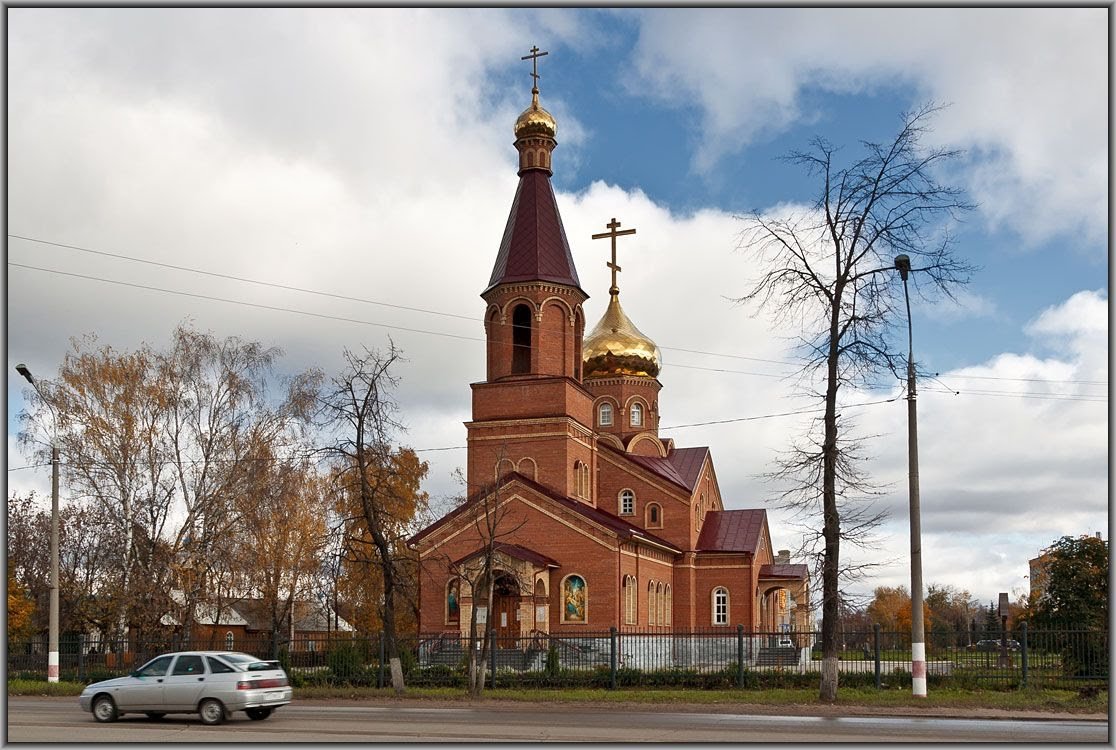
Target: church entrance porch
{"type": "Point", "coordinates": [506, 606]}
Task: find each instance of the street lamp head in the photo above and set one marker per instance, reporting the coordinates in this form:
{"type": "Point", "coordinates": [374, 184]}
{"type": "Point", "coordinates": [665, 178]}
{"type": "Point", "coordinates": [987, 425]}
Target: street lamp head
{"type": "Point", "coordinates": [22, 370]}
{"type": "Point", "coordinates": [903, 263]}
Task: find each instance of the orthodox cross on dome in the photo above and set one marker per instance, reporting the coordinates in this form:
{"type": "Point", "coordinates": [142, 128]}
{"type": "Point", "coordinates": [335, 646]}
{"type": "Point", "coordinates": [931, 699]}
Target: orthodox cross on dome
{"type": "Point", "coordinates": [534, 58]}
{"type": "Point", "coordinates": [613, 226]}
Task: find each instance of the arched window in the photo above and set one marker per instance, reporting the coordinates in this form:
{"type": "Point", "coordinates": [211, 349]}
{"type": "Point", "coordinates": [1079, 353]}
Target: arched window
{"type": "Point", "coordinates": [720, 605]}
{"type": "Point", "coordinates": [669, 606]}
{"type": "Point", "coordinates": [230, 640]}
{"type": "Point", "coordinates": [651, 604]}
{"type": "Point", "coordinates": [581, 480]}
{"type": "Point", "coordinates": [453, 602]}
{"type": "Point", "coordinates": [629, 600]}
{"type": "Point", "coordinates": [660, 605]}
{"type": "Point", "coordinates": [654, 516]}
{"type": "Point", "coordinates": [604, 415]}
{"type": "Point", "coordinates": [575, 599]}
{"type": "Point", "coordinates": [627, 503]}
{"type": "Point", "coordinates": [521, 339]}
{"type": "Point", "coordinates": [636, 416]}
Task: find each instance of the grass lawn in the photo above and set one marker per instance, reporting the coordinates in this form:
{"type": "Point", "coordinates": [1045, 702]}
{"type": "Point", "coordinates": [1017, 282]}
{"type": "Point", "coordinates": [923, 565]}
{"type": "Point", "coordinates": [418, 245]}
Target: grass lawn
{"type": "Point", "coordinates": [1061, 701]}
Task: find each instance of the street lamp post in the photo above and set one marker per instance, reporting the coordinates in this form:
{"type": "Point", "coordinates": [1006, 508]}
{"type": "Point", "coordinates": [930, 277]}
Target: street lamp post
{"type": "Point", "coordinates": [52, 637]}
{"type": "Point", "coordinates": [918, 635]}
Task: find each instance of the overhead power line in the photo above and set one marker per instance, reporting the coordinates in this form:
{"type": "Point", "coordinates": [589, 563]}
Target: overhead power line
{"type": "Point", "coordinates": [245, 279]}
{"type": "Point", "coordinates": [427, 311]}
{"type": "Point", "coordinates": [258, 305]}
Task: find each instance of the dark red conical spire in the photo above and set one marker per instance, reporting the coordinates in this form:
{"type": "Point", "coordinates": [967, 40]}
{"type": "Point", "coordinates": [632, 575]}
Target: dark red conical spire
{"type": "Point", "coordinates": [534, 247]}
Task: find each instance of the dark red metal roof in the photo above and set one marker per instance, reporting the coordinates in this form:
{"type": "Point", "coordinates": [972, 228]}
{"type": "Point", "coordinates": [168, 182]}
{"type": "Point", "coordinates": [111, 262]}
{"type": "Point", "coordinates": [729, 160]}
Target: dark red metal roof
{"type": "Point", "coordinates": [603, 518]}
{"type": "Point", "coordinates": [519, 553]}
{"type": "Point", "coordinates": [659, 466]}
{"type": "Point", "coordinates": [796, 571]}
{"type": "Point", "coordinates": [731, 530]}
{"type": "Point", "coordinates": [534, 247]}
{"type": "Point", "coordinates": [681, 466]}
{"type": "Point", "coordinates": [688, 462]}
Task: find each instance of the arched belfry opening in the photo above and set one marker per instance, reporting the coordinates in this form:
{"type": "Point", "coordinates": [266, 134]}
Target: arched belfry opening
{"type": "Point", "coordinates": [521, 340]}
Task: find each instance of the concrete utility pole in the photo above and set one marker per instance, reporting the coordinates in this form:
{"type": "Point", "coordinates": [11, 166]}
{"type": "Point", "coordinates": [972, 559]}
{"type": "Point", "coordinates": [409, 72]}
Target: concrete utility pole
{"type": "Point", "coordinates": [918, 635]}
{"type": "Point", "coordinates": [52, 636]}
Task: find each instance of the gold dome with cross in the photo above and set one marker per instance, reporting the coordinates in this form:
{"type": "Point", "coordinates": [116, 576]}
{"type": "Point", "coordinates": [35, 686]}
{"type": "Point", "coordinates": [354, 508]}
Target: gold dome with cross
{"type": "Point", "coordinates": [535, 121]}
{"type": "Point", "coordinates": [615, 346]}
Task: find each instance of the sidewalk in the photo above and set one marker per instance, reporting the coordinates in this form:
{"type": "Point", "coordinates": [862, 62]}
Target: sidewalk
{"type": "Point", "coordinates": [753, 709]}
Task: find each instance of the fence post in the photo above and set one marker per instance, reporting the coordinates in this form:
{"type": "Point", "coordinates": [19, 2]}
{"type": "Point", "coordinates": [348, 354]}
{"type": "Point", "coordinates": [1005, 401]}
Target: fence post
{"type": "Point", "coordinates": [740, 656]}
{"type": "Point", "coordinates": [380, 676]}
{"type": "Point", "coordinates": [876, 649]}
{"type": "Point", "coordinates": [612, 658]}
{"type": "Point", "coordinates": [1023, 647]}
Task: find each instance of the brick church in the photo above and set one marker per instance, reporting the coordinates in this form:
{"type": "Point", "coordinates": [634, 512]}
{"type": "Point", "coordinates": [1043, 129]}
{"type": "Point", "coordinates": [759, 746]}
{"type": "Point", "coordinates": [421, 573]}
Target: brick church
{"type": "Point", "coordinates": [594, 519]}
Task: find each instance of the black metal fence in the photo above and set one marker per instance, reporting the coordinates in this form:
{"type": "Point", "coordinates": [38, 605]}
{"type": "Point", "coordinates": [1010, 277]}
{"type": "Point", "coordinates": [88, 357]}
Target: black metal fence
{"type": "Point", "coordinates": [720, 658]}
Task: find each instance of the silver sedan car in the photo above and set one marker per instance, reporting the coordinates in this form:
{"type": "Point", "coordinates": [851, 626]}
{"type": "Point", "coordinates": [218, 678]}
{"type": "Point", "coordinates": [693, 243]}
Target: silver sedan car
{"type": "Point", "coordinates": [212, 684]}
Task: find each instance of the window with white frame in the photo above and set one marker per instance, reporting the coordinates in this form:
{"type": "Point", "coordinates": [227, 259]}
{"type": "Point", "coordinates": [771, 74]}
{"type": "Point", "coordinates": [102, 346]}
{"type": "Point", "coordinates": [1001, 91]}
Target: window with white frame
{"type": "Point", "coordinates": [660, 604]}
{"type": "Point", "coordinates": [720, 605]}
{"type": "Point", "coordinates": [669, 605]}
{"type": "Point", "coordinates": [604, 415]}
{"type": "Point", "coordinates": [636, 416]}
{"type": "Point", "coordinates": [229, 640]}
{"type": "Point", "coordinates": [627, 503]}
{"type": "Point", "coordinates": [651, 603]}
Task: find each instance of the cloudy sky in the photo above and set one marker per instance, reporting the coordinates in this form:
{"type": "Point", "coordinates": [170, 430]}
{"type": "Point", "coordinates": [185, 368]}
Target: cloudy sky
{"type": "Point", "coordinates": [368, 153]}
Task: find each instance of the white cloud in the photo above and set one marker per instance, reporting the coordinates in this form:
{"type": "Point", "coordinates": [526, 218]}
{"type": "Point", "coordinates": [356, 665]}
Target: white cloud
{"type": "Point", "coordinates": [1028, 90]}
{"type": "Point", "coordinates": [1016, 460]}
{"type": "Point", "coordinates": [367, 153]}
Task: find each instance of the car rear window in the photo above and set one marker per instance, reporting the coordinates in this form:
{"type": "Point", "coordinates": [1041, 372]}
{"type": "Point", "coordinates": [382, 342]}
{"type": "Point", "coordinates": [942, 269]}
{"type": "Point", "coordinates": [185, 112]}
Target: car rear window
{"type": "Point", "coordinates": [249, 663]}
{"type": "Point", "coordinates": [216, 666]}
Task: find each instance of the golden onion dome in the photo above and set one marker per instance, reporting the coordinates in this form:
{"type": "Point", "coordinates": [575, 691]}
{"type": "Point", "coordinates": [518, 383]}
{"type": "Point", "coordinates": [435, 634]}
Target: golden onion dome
{"type": "Point", "coordinates": [535, 120]}
{"type": "Point", "coordinates": [617, 347]}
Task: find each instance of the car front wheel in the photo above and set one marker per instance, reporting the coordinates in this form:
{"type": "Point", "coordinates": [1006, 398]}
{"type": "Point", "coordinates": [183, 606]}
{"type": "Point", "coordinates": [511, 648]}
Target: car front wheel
{"type": "Point", "coordinates": [104, 709]}
{"type": "Point", "coordinates": [257, 714]}
{"type": "Point", "coordinates": [211, 712]}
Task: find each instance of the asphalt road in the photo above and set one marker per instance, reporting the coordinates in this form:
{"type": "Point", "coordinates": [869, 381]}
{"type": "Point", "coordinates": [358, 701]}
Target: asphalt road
{"type": "Point", "coordinates": [61, 720]}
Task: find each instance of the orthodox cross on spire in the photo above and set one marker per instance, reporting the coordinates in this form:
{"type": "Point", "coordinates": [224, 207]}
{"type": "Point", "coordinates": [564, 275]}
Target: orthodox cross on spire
{"type": "Point", "coordinates": [612, 227]}
{"type": "Point", "coordinates": [534, 58]}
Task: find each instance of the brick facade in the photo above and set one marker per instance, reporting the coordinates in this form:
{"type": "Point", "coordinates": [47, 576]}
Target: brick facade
{"type": "Point", "coordinates": [597, 525]}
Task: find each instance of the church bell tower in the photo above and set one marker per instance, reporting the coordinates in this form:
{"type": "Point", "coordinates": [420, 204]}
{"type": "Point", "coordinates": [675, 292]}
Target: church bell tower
{"type": "Point", "coordinates": [531, 414]}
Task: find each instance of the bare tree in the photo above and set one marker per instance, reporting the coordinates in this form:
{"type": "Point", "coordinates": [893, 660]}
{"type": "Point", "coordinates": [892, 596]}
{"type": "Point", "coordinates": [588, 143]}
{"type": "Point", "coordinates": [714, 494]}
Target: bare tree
{"type": "Point", "coordinates": [493, 526]}
{"type": "Point", "coordinates": [829, 272]}
{"type": "Point", "coordinates": [358, 410]}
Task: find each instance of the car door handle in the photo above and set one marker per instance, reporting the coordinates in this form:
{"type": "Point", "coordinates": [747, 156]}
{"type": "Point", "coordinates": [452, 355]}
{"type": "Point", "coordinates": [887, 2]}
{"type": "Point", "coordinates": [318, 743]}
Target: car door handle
{"type": "Point", "coordinates": [159, 680]}
{"type": "Point", "coordinates": [201, 679]}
